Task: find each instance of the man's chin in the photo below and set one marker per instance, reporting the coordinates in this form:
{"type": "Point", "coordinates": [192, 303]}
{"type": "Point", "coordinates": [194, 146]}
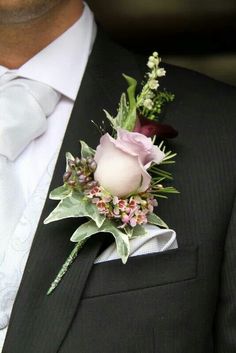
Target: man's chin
{"type": "Point", "coordinates": [22, 11]}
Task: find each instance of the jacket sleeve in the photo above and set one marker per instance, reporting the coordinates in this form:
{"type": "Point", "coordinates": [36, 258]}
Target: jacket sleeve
{"type": "Point", "coordinates": [225, 320]}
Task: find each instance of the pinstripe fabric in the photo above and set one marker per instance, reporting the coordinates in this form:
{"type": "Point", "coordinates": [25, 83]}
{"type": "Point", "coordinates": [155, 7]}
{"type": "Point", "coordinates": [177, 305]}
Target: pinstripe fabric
{"type": "Point", "coordinates": [225, 322]}
{"type": "Point", "coordinates": [157, 303]}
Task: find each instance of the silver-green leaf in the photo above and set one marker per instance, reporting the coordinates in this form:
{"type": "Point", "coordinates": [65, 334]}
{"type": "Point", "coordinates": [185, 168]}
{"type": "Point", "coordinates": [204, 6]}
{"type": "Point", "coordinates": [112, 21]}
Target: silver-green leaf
{"type": "Point", "coordinates": [154, 219]}
{"type": "Point", "coordinates": [132, 114]}
{"type": "Point", "coordinates": [110, 118]}
{"type": "Point", "coordinates": [89, 228]}
{"type": "Point", "coordinates": [127, 114]}
{"type": "Point", "coordinates": [85, 231]}
{"type": "Point", "coordinates": [121, 239]}
{"type": "Point", "coordinates": [60, 193]}
{"type": "Point", "coordinates": [69, 156]}
{"type": "Point", "coordinates": [139, 231]}
{"type": "Point", "coordinates": [86, 151]}
{"type": "Point", "coordinates": [75, 206]}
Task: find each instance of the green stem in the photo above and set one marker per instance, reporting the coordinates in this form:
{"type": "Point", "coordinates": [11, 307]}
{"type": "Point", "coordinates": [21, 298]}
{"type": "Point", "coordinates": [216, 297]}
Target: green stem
{"type": "Point", "coordinates": [65, 266]}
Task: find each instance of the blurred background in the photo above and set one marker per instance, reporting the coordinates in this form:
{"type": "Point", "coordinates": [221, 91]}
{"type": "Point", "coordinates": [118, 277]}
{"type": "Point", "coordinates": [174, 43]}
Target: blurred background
{"type": "Point", "coordinates": [197, 34]}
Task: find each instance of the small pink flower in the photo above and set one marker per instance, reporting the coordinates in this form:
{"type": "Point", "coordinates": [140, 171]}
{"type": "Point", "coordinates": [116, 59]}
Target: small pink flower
{"type": "Point", "coordinates": [150, 208]}
{"type": "Point", "coordinates": [154, 202]}
{"type": "Point", "coordinates": [141, 219]}
{"type": "Point", "coordinates": [132, 204]}
{"type": "Point", "coordinates": [133, 222]}
{"type": "Point", "coordinates": [95, 200]}
{"type": "Point", "coordinates": [95, 191]}
{"type": "Point", "coordinates": [137, 199]}
{"type": "Point", "coordinates": [107, 198]}
{"type": "Point", "coordinates": [101, 205]}
{"type": "Point", "coordinates": [116, 211]}
{"type": "Point", "coordinates": [125, 218]}
{"type": "Point", "coordinates": [122, 205]}
{"type": "Point", "coordinates": [115, 200]}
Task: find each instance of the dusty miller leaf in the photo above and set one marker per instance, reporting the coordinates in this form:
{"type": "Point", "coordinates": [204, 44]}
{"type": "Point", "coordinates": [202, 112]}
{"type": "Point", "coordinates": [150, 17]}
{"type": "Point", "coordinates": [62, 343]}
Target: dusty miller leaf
{"type": "Point", "coordinates": [69, 156]}
{"type": "Point", "coordinates": [84, 231]}
{"type": "Point", "coordinates": [126, 117]}
{"type": "Point", "coordinates": [154, 219]}
{"type": "Point", "coordinates": [131, 117]}
{"type": "Point", "coordinates": [60, 193]}
{"type": "Point", "coordinates": [86, 151]}
{"type": "Point", "coordinates": [121, 238]}
{"type": "Point", "coordinates": [111, 119]}
{"type": "Point", "coordinates": [120, 120]}
{"type": "Point", "coordinates": [139, 231]}
{"type": "Point", "coordinates": [75, 206]}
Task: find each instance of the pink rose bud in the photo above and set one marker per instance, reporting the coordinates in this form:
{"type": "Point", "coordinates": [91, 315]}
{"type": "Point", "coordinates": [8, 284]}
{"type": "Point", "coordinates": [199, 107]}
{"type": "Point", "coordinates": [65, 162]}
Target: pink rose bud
{"type": "Point", "coordinates": [122, 163]}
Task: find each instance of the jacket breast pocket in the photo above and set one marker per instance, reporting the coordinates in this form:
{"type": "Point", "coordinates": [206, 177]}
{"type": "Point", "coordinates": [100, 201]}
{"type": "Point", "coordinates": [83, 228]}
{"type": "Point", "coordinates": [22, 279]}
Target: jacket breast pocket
{"type": "Point", "coordinates": [143, 271]}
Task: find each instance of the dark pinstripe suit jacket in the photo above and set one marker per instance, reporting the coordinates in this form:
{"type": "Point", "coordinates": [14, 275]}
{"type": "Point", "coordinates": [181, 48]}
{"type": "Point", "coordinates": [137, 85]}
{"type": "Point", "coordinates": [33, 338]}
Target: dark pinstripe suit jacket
{"type": "Point", "coordinates": [180, 301]}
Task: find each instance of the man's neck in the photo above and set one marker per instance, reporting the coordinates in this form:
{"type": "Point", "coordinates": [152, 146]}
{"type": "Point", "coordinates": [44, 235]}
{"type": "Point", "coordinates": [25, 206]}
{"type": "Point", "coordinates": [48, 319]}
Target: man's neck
{"type": "Point", "coordinates": [20, 42]}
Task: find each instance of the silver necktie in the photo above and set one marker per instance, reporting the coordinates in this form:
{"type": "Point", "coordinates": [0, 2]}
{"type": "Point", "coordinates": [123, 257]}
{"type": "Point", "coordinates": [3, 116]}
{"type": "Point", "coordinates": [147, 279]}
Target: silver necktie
{"type": "Point", "coordinates": [24, 106]}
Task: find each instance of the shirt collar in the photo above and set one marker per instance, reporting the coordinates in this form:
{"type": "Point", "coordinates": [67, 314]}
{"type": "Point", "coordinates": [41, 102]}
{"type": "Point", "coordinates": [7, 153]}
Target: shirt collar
{"type": "Point", "coordinates": [62, 63]}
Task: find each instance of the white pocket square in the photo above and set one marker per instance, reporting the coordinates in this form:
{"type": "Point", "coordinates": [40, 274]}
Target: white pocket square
{"type": "Point", "coordinates": [156, 240]}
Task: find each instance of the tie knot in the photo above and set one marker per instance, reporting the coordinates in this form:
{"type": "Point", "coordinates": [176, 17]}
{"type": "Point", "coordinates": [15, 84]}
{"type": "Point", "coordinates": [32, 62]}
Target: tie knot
{"type": "Point", "coordinates": [46, 96]}
{"type": "Point", "coordinates": [8, 76]}
{"type": "Point", "coordinates": [24, 106]}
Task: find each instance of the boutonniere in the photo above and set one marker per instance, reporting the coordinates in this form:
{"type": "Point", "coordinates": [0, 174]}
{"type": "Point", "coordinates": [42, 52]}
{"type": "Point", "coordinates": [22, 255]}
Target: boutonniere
{"type": "Point", "coordinates": [116, 186]}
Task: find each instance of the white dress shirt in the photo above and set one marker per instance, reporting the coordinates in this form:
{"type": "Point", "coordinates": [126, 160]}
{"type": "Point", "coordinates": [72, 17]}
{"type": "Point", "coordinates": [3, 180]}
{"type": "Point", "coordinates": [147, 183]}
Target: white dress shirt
{"type": "Point", "coordinates": [36, 164]}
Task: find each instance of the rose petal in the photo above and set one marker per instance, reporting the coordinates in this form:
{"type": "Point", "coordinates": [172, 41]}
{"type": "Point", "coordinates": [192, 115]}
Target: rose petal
{"type": "Point", "coordinates": [139, 145]}
{"type": "Point", "coordinates": [117, 171]}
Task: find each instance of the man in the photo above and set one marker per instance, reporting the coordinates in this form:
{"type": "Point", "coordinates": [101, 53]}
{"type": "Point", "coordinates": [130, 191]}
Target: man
{"type": "Point", "coordinates": [182, 300]}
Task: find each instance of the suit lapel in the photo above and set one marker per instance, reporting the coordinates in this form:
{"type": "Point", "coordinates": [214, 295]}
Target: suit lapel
{"type": "Point", "coordinates": [40, 323]}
